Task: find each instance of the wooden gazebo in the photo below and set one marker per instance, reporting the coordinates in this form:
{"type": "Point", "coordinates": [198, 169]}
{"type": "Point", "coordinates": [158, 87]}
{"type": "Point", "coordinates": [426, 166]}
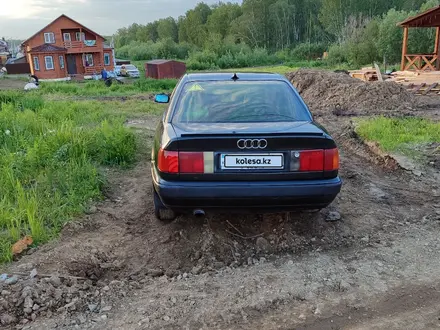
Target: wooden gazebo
{"type": "Point", "coordinates": [421, 62]}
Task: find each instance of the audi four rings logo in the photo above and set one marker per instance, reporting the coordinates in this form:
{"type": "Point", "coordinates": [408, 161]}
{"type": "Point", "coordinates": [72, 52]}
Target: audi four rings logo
{"type": "Point", "coordinates": [252, 143]}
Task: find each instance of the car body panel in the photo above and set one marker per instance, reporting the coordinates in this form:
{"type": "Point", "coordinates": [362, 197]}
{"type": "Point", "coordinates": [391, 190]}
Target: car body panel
{"type": "Point", "coordinates": [247, 195]}
{"type": "Point", "coordinates": [267, 189]}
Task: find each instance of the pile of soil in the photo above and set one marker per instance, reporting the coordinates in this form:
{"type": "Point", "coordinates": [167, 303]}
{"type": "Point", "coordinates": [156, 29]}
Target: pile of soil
{"type": "Point", "coordinates": [337, 92]}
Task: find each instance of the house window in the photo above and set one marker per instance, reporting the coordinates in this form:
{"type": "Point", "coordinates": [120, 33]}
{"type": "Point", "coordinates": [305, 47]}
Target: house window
{"type": "Point", "coordinates": [61, 61]}
{"type": "Point", "coordinates": [36, 63]}
{"type": "Point", "coordinates": [88, 59]}
{"type": "Point", "coordinates": [49, 38]}
{"type": "Point", "coordinates": [106, 59]}
{"type": "Point", "coordinates": [66, 36]}
{"type": "Point", "coordinates": [80, 36]}
{"type": "Point", "coordinates": [48, 60]}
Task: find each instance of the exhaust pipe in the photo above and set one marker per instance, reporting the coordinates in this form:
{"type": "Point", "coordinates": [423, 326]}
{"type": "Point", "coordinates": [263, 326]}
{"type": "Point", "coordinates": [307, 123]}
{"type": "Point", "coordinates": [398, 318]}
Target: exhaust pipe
{"type": "Point", "coordinates": [199, 213]}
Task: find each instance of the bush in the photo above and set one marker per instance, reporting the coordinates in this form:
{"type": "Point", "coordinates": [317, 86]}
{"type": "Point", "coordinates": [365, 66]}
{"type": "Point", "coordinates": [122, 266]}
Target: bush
{"type": "Point", "coordinates": [361, 47]}
{"type": "Point", "coordinates": [227, 61]}
{"type": "Point", "coordinates": [308, 51]}
{"type": "Point", "coordinates": [234, 49]}
{"type": "Point", "coordinates": [283, 55]}
{"type": "Point", "coordinates": [182, 50]}
{"type": "Point", "coordinates": [145, 51]}
{"type": "Point", "coordinates": [337, 54]}
{"type": "Point", "coordinates": [202, 60]}
{"type": "Point", "coordinates": [208, 60]}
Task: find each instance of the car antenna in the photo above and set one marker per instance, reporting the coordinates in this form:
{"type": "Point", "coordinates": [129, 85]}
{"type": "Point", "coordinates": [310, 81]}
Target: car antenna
{"type": "Point", "coordinates": [235, 77]}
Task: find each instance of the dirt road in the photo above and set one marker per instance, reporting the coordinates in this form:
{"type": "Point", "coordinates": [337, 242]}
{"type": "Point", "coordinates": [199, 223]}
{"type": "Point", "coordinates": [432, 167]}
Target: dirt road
{"type": "Point", "coordinates": [375, 268]}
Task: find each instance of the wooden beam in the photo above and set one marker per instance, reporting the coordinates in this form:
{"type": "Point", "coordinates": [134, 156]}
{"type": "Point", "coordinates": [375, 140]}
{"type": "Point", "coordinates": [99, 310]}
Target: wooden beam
{"type": "Point", "coordinates": [429, 63]}
{"type": "Point", "coordinates": [437, 30]}
{"type": "Point", "coordinates": [404, 48]}
{"type": "Point", "coordinates": [419, 88]}
{"type": "Point", "coordinates": [379, 74]}
{"type": "Point", "coordinates": [434, 85]}
{"type": "Point", "coordinates": [411, 62]}
{"type": "Point", "coordinates": [436, 50]}
{"type": "Point", "coordinates": [30, 59]}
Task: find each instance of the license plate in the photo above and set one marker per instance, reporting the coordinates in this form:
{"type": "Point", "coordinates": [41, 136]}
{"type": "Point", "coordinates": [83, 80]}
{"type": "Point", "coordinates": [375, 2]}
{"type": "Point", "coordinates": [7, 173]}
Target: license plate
{"type": "Point", "coordinates": [252, 161]}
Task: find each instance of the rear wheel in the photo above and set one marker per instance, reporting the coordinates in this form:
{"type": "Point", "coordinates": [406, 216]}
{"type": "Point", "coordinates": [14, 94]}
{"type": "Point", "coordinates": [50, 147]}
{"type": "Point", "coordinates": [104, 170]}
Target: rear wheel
{"type": "Point", "coordinates": [161, 212]}
{"type": "Point", "coordinates": [313, 211]}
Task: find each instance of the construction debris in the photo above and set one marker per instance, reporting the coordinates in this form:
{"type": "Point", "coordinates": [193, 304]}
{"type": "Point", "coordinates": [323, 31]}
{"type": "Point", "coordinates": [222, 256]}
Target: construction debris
{"type": "Point", "coordinates": [421, 83]}
{"type": "Point", "coordinates": [369, 74]}
{"type": "Point", "coordinates": [365, 74]}
{"type": "Point", "coordinates": [341, 94]}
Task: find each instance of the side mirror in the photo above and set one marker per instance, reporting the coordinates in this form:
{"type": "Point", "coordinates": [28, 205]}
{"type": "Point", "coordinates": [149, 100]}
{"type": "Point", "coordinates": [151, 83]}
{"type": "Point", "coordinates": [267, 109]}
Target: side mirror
{"type": "Point", "coordinates": [162, 98]}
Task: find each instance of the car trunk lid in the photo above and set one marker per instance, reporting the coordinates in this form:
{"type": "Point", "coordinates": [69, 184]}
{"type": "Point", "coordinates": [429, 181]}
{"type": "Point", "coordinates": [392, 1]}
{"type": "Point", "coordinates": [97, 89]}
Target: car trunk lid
{"type": "Point", "coordinates": [251, 151]}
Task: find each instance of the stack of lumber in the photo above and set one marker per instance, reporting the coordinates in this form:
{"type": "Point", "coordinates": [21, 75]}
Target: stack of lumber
{"type": "Point", "coordinates": [413, 77]}
{"type": "Point", "coordinates": [365, 74]}
{"type": "Point", "coordinates": [419, 82]}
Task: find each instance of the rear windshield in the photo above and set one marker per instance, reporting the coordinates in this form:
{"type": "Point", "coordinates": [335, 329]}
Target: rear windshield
{"type": "Point", "coordinates": [238, 101]}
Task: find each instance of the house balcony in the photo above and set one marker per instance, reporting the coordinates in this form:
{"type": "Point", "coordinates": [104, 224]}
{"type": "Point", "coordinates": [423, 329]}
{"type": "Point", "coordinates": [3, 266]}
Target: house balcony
{"type": "Point", "coordinates": [91, 70]}
{"type": "Point", "coordinates": [86, 46]}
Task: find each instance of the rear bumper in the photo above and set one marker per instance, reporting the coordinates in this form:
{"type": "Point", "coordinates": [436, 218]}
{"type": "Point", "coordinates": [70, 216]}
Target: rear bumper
{"type": "Point", "coordinates": [273, 195]}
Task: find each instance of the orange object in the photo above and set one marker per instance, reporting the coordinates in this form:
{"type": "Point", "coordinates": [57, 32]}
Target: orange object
{"type": "Point", "coordinates": [22, 245]}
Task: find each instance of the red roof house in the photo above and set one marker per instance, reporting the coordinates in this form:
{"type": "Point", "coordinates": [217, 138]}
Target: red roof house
{"type": "Point", "coordinates": [67, 48]}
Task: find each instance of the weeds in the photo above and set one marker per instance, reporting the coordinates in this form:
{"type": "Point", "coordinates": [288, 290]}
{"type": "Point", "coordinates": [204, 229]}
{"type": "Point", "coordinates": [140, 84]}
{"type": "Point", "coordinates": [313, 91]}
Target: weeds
{"type": "Point", "coordinates": [49, 158]}
{"type": "Point", "coordinates": [30, 100]}
{"type": "Point", "coordinates": [399, 134]}
{"type": "Point", "coordinates": [155, 85]}
{"type": "Point", "coordinates": [97, 88]}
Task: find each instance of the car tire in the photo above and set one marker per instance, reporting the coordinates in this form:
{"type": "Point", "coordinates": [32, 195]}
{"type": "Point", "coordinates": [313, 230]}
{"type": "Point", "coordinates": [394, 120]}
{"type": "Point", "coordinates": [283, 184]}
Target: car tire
{"type": "Point", "coordinates": [161, 212]}
{"type": "Point", "coordinates": [313, 211]}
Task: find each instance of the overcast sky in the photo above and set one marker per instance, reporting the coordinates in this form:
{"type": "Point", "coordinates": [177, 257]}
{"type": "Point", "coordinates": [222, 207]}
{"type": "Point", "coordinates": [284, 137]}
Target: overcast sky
{"type": "Point", "coordinates": [19, 19]}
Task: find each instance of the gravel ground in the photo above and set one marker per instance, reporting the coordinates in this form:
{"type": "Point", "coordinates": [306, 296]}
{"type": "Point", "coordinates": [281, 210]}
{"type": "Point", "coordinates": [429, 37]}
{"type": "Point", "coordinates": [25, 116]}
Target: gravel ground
{"type": "Point", "coordinates": [370, 261]}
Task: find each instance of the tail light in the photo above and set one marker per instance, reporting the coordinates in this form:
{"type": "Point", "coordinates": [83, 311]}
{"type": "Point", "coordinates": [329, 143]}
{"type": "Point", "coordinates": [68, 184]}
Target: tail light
{"type": "Point", "coordinates": [168, 161]}
{"type": "Point", "coordinates": [203, 162]}
{"type": "Point", "coordinates": [311, 161]}
{"type": "Point", "coordinates": [191, 162]}
{"type": "Point", "coordinates": [331, 160]}
{"type": "Point", "coordinates": [185, 162]}
{"type": "Point", "coordinates": [315, 160]}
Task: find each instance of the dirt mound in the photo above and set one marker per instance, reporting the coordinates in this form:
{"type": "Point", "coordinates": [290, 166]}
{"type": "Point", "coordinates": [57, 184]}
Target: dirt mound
{"type": "Point", "coordinates": [325, 91]}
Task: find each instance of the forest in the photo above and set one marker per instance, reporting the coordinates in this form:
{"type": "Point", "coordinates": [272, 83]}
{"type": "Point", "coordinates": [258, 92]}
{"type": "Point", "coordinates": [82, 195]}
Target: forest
{"type": "Point", "coordinates": [264, 32]}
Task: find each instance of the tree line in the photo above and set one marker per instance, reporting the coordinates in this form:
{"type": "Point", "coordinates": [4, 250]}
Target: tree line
{"type": "Point", "coordinates": [259, 32]}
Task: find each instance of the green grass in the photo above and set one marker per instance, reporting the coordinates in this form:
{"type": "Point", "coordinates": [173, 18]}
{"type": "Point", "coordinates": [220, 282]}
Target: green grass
{"type": "Point", "coordinates": [98, 88]}
{"type": "Point", "coordinates": [50, 156]}
{"type": "Point", "coordinates": [20, 77]}
{"type": "Point", "coordinates": [401, 135]}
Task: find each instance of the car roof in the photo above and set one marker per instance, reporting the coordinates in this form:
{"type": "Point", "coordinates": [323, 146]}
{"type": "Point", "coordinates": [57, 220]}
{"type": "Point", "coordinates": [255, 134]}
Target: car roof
{"type": "Point", "coordinates": [224, 76]}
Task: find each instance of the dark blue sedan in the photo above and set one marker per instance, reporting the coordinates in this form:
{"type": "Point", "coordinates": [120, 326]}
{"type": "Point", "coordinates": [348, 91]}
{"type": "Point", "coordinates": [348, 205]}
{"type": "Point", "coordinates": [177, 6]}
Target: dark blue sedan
{"type": "Point", "coordinates": [240, 142]}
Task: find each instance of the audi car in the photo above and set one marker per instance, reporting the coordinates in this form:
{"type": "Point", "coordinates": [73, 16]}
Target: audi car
{"type": "Point", "coordinates": [240, 142]}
